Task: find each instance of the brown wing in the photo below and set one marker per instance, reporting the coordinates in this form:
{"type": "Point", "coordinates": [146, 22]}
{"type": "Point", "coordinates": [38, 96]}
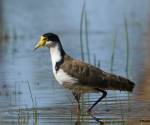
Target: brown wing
{"type": "Point", "coordinates": [85, 73]}
{"type": "Point", "coordinates": [89, 75]}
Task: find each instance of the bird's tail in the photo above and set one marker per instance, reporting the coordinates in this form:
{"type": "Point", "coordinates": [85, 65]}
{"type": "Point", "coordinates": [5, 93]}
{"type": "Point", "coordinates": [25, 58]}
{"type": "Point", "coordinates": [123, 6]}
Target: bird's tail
{"type": "Point", "coordinates": [120, 83]}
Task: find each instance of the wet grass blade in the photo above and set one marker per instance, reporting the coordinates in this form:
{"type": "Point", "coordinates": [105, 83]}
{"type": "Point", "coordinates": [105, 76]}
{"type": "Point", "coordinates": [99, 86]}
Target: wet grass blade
{"type": "Point", "coordinates": [94, 60]}
{"type": "Point", "coordinates": [81, 31]}
{"type": "Point", "coordinates": [30, 93]}
{"type": "Point", "coordinates": [127, 46]}
{"type": "Point", "coordinates": [127, 57]}
{"type": "Point", "coordinates": [86, 36]}
{"type": "Point", "coordinates": [87, 44]}
{"type": "Point", "coordinates": [113, 52]}
{"type": "Point", "coordinates": [34, 105]}
{"type": "Point", "coordinates": [35, 113]}
{"type": "Point", "coordinates": [82, 48]}
{"type": "Point", "coordinates": [99, 64]}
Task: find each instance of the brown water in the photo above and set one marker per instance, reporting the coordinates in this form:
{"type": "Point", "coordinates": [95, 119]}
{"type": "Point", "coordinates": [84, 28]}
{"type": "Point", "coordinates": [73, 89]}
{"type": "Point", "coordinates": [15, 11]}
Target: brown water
{"type": "Point", "coordinates": [23, 23]}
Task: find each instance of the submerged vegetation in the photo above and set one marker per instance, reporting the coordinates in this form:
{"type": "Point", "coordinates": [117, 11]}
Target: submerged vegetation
{"type": "Point", "coordinates": [34, 106]}
{"type": "Point", "coordinates": [25, 114]}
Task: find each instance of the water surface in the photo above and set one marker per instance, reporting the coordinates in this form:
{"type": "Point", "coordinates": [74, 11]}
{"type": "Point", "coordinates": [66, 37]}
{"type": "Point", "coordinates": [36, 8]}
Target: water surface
{"type": "Point", "coordinates": [24, 22]}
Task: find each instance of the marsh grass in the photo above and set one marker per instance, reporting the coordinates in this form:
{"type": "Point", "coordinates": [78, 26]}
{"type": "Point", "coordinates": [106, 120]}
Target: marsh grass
{"type": "Point", "coordinates": [84, 24]}
{"type": "Point", "coordinates": [84, 32]}
{"type": "Point", "coordinates": [82, 49]}
{"type": "Point", "coordinates": [127, 56]}
{"type": "Point", "coordinates": [96, 62]}
{"type": "Point", "coordinates": [81, 31]}
{"type": "Point", "coordinates": [113, 51]}
{"type": "Point", "coordinates": [87, 37]}
{"type": "Point", "coordinates": [34, 106]}
{"type": "Point", "coordinates": [127, 46]}
{"type": "Point", "coordinates": [114, 40]}
{"type": "Point", "coordinates": [23, 116]}
{"type": "Point", "coordinates": [99, 64]}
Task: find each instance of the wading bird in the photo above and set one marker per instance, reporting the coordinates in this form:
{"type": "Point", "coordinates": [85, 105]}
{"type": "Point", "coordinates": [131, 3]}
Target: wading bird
{"type": "Point", "coordinates": [78, 76]}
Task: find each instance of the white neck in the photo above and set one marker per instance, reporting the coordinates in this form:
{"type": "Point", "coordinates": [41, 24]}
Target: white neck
{"type": "Point", "coordinates": [55, 55]}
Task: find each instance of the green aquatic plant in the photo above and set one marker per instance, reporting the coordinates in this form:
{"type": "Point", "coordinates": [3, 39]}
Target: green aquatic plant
{"type": "Point", "coordinates": [99, 64]}
{"type": "Point", "coordinates": [86, 37]}
{"type": "Point", "coordinates": [94, 60]}
{"type": "Point", "coordinates": [127, 46]}
{"type": "Point", "coordinates": [84, 34]}
{"type": "Point", "coordinates": [34, 106]}
{"type": "Point", "coordinates": [81, 31]}
{"type": "Point", "coordinates": [23, 116]}
{"type": "Point", "coordinates": [113, 52]}
{"type": "Point", "coordinates": [82, 48]}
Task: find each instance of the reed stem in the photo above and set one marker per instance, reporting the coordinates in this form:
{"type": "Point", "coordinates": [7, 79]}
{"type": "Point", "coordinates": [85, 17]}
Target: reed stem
{"type": "Point", "coordinates": [113, 52]}
{"type": "Point", "coordinates": [127, 47]}
{"type": "Point", "coordinates": [81, 31]}
{"type": "Point", "coordinates": [86, 37]}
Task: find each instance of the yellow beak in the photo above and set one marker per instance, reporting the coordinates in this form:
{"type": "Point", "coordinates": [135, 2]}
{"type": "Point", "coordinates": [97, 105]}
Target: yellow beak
{"type": "Point", "coordinates": [41, 43]}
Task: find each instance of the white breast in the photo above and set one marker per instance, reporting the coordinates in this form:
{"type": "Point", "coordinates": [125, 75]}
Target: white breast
{"type": "Point", "coordinates": [60, 75]}
{"type": "Point", "coordinates": [63, 77]}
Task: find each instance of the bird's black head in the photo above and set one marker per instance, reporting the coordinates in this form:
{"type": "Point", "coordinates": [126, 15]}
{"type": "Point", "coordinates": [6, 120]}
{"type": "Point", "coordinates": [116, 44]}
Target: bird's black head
{"type": "Point", "coordinates": [51, 37]}
{"type": "Point", "coordinates": [49, 40]}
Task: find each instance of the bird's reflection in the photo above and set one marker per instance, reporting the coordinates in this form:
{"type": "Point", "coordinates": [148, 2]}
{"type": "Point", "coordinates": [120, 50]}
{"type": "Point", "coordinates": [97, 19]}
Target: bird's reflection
{"type": "Point", "coordinates": [78, 122]}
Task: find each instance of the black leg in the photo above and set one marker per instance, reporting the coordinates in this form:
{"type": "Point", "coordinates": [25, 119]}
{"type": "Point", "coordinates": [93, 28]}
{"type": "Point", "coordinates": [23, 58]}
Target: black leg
{"type": "Point", "coordinates": [96, 119]}
{"type": "Point", "coordinates": [104, 93]}
{"type": "Point", "coordinates": [77, 98]}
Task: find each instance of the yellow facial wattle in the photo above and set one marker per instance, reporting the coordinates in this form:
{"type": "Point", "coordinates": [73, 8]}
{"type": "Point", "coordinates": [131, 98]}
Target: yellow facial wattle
{"type": "Point", "coordinates": [41, 43]}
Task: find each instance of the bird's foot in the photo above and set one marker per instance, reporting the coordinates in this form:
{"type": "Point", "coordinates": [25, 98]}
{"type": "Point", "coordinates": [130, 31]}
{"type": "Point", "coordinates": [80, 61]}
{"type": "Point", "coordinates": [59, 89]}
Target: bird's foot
{"type": "Point", "coordinates": [96, 119]}
{"type": "Point", "coordinates": [89, 111]}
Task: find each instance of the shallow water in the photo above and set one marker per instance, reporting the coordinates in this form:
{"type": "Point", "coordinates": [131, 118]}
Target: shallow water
{"type": "Point", "coordinates": [25, 21]}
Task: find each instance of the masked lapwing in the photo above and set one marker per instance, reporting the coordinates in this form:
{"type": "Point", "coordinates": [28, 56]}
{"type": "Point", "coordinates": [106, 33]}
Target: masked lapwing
{"type": "Point", "coordinates": [78, 76]}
